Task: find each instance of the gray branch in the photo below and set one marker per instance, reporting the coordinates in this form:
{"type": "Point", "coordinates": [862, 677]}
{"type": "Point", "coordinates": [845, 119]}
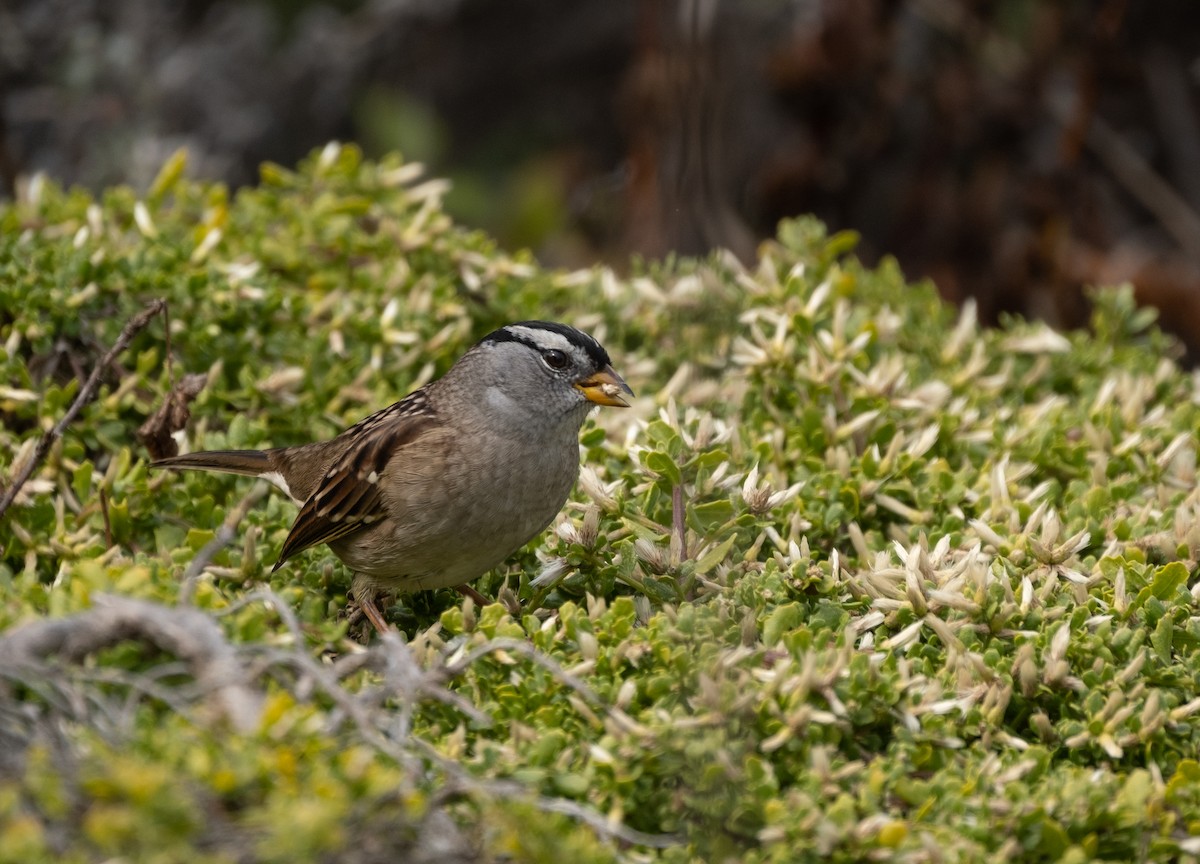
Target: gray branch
{"type": "Point", "coordinates": [188, 634]}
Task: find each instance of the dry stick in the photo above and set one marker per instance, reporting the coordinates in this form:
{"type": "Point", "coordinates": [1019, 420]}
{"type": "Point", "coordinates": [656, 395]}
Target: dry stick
{"type": "Point", "coordinates": [403, 676]}
{"type": "Point", "coordinates": [136, 686]}
{"type": "Point", "coordinates": [224, 536]}
{"type": "Point", "coordinates": [188, 634]}
{"type": "Point", "coordinates": [86, 394]}
{"type": "Point", "coordinates": [1144, 183]}
{"type": "Point", "coordinates": [167, 344]}
{"type": "Point", "coordinates": [381, 659]}
{"type": "Point", "coordinates": [1170, 97]}
{"type": "Point", "coordinates": [520, 646]}
{"type": "Point", "coordinates": [678, 515]}
{"type": "Point", "coordinates": [323, 677]}
{"type": "Point", "coordinates": [1137, 176]}
{"type": "Point", "coordinates": [327, 680]}
{"type": "Point", "coordinates": [603, 825]}
{"type": "Point", "coordinates": [508, 790]}
{"type": "Point", "coordinates": [108, 535]}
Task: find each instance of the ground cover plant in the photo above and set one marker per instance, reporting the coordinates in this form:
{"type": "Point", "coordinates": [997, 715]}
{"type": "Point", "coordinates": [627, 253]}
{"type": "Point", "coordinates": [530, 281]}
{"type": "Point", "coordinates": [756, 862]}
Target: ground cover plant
{"type": "Point", "coordinates": [854, 579]}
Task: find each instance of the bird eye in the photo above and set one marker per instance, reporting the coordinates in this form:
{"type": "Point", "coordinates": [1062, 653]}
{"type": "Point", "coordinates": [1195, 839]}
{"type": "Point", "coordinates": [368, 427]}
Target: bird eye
{"type": "Point", "coordinates": [555, 359]}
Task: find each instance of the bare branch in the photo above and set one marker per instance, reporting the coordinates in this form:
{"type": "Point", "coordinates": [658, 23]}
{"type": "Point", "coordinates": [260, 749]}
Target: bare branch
{"type": "Point", "coordinates": [222, 669]}
{"type": "Point", "coordinates": [504, 789]}
{"type": "Point", "coordinates": [188, 634]}
{"type": "Point", "coordinates": [530, 652]}
{"type": "Point", "coordinates": [604, 826]}
{"type": "Point", "coordinates": [224, 536]}
{"type": "Point", "coordinates": [678, 525]}
{"type": "Point", "coordinates": [86, 394]}
{"type": "Point", "coordinates": [108, 533]}
{"type": "Point", "coordinates": [1147, 185]}
{"type": "Point", "coordinates": [327, 682]}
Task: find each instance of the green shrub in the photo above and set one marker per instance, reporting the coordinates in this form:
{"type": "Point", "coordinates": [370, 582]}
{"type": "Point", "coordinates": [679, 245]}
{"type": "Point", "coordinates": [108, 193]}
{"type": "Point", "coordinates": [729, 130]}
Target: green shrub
{"type": "Point", "coordinates": [935, 598]}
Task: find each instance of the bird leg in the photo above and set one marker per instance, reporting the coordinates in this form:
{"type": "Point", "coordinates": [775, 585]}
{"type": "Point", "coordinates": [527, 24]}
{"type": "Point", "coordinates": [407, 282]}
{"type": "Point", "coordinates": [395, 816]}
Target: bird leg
{"type": "Point", "coordinates": [364, 599]}
{"type": "Point", "coordinates": [366, 603]}
{"type": "Point", "coordinates": [468, 591]}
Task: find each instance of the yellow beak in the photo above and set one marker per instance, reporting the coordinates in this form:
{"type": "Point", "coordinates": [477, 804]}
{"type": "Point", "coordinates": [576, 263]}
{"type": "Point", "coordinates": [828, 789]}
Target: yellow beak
{"type": "Point", "coordinates": [605, 388]}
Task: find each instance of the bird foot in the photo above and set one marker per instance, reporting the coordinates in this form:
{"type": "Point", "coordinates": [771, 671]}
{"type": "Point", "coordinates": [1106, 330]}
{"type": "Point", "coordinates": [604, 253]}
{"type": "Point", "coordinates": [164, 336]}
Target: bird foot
{"type": "Point", "coordinates": [367, 604]}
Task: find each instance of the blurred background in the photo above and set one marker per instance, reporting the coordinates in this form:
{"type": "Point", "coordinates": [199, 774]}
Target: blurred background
{"type": "Point", "coordinates": [1015, 151]}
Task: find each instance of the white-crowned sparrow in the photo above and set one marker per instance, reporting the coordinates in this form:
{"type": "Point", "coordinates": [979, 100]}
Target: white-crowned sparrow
{"type": "Point", "coordinates": [445, 484]}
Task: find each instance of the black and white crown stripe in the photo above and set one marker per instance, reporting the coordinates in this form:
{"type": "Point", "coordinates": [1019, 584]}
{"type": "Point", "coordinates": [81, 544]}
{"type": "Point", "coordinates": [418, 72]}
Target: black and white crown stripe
{"type": "Point", "coordinates": [548, 335]}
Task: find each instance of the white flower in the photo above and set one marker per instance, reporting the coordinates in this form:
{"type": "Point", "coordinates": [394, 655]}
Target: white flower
{"type": "Point", "coordinates": [761, 499]}
{"type": "Point", "coordinates": [551, 572]}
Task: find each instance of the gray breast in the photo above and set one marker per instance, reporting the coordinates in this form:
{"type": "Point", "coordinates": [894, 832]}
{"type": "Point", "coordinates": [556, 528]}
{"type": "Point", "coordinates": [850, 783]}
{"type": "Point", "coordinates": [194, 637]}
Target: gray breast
{"type": "Point", "coordinates": [504, 494]}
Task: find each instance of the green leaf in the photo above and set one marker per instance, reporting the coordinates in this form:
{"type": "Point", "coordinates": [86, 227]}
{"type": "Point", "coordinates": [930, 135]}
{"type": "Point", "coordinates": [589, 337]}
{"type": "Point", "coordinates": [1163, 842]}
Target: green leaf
{"type": "Point", "coordinates": [715, 556]}
{"type": "Point", "coordinates": [781, 620]}
{"type": "Point", "coordinates": [839, 742]}
{"type": "Point", "coordinates": [169, 174]}
{"type": "Point", "coordinates": [663, 465]}
{"type": "Point", "coordinates": [660, 590]}
{"type": "Point", "coordinates": [593, 436]}
{"type": "Point", "coordinates": [81, 482]}
{"type": "Point", "coordinates": [1132, 799]}
{"type": "Point", "coordinates": [1163, 638]}
{"type": "Point", "coordinates": [198, 538]}
{"type": "Point", "coordinates": [711, 514]}
{"type": "Point", "coordinates": [1168, 579]}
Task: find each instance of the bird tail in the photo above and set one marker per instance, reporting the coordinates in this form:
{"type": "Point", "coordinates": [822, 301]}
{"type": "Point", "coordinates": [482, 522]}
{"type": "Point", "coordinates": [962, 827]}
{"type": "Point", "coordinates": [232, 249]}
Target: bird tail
{"type": "Point", "coordinates": [252, 463]}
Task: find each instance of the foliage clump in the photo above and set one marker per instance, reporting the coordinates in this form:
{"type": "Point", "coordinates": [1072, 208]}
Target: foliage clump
{"type": "Point", "coordinates": [855, 578]}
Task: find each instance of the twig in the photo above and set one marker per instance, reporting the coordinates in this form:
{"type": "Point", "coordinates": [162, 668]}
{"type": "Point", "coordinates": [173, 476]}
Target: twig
{"type": "Point", "coordinates": [678, 515]}
{"type": "Point", "coordinates": [86, 394]}
{"type": "Point", "coordinates": [405, 679]}
{"type": "Point", "coordinates": [1170, 97]}
{"type": "Point", "coordinates": [1146, 185]}
{"type": "Point", "coordinates": [507, 789]}
{"type": "Point", "coordinates": [519, 646]}
{"type": "Point", "coordinates": [170, 358]}
{"type": "Point", "coordinates": [108, 535]}
{"type": "Point", "coordinates": [1127, 166]}
{"type": "Point", "coordinates": [392, 659]}
{"type": "Point", "coordinates": [218, 667]}
{"type": "Point", "coordinates": [224, 536]}
{"type": "Point", "coordinates": [188, 634]}
{"type": "Point", "coordinates": [604, 826]}
{"type": "Point", "coordinates": [325, 679]}
{"type": "Point", "coordinates": [137, 685]}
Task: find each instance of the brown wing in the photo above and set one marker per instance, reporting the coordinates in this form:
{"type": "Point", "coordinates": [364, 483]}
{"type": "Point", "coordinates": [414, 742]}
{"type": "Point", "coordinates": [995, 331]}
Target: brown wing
{"type": "Point", "coordinates": [347, 499]}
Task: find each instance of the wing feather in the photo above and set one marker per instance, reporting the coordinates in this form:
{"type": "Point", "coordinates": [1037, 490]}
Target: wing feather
{"type": "Point", "coordinates": [348, 498]}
